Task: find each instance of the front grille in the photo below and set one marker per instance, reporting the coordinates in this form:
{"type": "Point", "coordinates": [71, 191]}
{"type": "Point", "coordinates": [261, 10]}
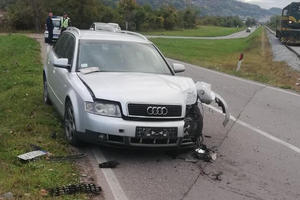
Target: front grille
{"type": "Point", "coordinates": [141, 110]}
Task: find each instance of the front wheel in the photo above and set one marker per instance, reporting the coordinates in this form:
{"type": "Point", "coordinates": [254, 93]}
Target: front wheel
{"type": "Point", "coordinates": [70, 125]}
{"type": "Point", "coordinates": [45, 93]}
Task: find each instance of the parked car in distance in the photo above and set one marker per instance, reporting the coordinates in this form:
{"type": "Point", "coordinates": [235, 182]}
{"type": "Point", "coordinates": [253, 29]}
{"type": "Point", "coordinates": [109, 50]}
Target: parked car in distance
{"type": "Point", "coordinates": [117, 88]}
{"type": "Point", "coordinates": [248, 30]}
{"type": "Point", "coordinates": [57, 28]}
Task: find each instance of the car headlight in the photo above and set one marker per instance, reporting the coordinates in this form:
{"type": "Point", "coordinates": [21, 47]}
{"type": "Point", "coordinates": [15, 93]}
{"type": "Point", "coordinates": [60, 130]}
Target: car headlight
{"type": "Point", "coordinates": [290, 22]}
{"type": "Point", "coordinates": [103, 108]}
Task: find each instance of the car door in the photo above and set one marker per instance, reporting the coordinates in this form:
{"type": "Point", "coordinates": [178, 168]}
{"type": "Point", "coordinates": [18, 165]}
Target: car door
{"type": "Point", "coordinates": [62, 75]}
{"type": "Point", "coordinates": [55, 53]}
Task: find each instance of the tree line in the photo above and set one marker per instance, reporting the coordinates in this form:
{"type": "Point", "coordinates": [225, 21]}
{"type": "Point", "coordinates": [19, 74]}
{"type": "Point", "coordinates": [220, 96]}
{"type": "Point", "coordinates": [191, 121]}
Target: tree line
{"type": "Point", "coordinates": [32, 14]}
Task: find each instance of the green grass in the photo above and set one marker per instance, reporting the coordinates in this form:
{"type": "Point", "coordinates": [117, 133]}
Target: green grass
{"type": "Point", "coordinates": [203, 51]}
{"type": "Point", "coordinates": [26, 120]}
{"type": "Point", "coordinates": [200, 31]}
{"type": "Point", "coordinates": [222, 55]}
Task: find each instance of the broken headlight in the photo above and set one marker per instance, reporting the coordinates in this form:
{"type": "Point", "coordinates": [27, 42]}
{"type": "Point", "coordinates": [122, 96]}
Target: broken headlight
{"type": "Point", "coordinates": [103, 108]}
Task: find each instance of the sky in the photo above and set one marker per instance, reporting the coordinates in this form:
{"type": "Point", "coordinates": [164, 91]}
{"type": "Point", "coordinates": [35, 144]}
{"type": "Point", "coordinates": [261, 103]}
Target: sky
{"type": "Point", "coordinates": [270, 3]}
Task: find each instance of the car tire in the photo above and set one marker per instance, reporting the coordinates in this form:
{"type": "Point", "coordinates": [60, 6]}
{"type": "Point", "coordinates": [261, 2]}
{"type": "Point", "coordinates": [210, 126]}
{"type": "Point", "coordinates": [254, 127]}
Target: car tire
{"type": "Point", "coordinates": [70, 125]}
{"type": "Point", "coordinates": [45, 92]}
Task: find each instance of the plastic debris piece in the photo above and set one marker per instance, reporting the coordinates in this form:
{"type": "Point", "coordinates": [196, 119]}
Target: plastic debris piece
{"type": "Point", "coordinates": [109, 164]}
{"type": "Point", "coordinates": [217, 176]}
{"type": "Point", "coordinates": [205, 154]}
{"type": "Point", "coordinates": [32, 155]}
{"type": "Point", "coordinates": [73, 189]}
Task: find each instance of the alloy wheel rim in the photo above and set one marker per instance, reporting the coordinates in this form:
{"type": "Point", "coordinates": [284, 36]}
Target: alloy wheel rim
{"type": "Point", "coordinates": [45, 91]}
{"type": "Point", "coordinates": [69, 124]}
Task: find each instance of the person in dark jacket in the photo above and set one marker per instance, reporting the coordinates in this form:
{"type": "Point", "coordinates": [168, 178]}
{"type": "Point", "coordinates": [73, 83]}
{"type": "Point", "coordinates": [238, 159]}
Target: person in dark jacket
{"type": "Point", "coordinates": [50, 28]}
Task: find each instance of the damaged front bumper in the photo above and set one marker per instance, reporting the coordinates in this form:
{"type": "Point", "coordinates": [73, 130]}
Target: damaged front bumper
{"type": "Point", "coordinates": [119, 132]}
{"type": "Point", "coordinates": [207, 96]}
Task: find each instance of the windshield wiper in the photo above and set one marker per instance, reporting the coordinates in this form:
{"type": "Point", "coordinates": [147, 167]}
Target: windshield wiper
{"type": "Point", "coordinates": [90, 70]}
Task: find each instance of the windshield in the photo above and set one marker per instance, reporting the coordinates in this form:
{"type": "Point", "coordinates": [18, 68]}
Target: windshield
{"type": "Point", "coordinates": [295, 11]}
{"type": "Point", "coordinates": [111, 56]}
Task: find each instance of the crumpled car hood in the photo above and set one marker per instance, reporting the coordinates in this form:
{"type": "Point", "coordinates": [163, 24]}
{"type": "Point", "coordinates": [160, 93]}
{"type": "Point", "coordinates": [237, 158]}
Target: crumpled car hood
{"type": "Point", "coordinates": [141, 88]}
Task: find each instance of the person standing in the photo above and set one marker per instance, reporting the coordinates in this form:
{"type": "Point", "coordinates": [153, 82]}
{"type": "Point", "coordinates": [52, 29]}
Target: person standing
{"type": "Point", "coordinates": [65, 22]}
{"type": "Point", "coordinates": [50, 28]}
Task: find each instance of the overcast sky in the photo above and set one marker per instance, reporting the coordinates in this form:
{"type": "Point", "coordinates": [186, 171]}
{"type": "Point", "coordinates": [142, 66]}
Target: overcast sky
{"type": "Point", "coordinates": [270, 3]}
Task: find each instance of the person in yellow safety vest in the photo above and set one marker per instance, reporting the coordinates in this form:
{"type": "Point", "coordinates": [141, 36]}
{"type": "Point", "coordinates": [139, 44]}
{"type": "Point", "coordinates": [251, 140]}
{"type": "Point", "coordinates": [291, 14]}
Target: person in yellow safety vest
{"type": "Point", "coordinates": [65, 22]}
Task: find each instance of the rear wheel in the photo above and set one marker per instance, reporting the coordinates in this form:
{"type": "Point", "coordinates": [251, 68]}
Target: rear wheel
{"type": "Point", "coordinates": [70, 125]}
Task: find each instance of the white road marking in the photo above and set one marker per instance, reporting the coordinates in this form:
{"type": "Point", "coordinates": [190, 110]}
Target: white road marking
{"type": "Point", "coordinates": [110, 177]}
{"type": "Point", "coordinates": [263, 133]}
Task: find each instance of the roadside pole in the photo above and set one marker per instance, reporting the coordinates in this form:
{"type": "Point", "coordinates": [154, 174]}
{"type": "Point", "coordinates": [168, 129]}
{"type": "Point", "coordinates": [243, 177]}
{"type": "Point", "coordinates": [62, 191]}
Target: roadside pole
{"type": "Point", "coordinates": [240, 62]}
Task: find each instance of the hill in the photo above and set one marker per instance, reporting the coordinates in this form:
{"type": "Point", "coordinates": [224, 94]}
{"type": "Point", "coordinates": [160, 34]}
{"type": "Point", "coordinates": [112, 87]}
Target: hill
{"type": "Point", "coordinates": [215, 7]}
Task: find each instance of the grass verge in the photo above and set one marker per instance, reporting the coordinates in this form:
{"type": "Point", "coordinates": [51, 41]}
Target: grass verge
{"type": "Point", "coordinates": [222, 55]}
{"type": "Point", "coordinates": [26, 120]}
{"type": "Point", "coordinates": [200, 31]}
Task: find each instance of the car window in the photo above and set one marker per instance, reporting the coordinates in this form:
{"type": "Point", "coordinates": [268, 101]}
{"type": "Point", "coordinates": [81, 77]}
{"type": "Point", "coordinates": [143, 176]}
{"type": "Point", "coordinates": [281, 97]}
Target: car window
{"type": "Point", "coordinates": [69, 47]}
{"type": "Point", "coordinates": [56, 23]}
{"type": "Point", "coordinates": [58, 49]}
{"type": "Point", "coordinates": [112, 56]}
{"type": "Point", "coordinates": [285, 12]}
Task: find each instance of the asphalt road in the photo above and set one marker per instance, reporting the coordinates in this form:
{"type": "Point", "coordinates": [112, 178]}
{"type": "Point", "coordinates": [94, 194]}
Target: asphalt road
{"type": "Point", "coordinates": [258, 152]}
{"type": "Point", "coordinates": [241, 34]}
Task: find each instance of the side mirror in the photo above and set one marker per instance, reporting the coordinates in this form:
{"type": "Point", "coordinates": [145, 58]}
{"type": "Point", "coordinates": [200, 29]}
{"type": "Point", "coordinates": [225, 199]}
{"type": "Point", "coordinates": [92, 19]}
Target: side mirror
{"type": "Point", "coordinates": [62, 63]}
{"type": "Point", "coordinates": [178, 67]}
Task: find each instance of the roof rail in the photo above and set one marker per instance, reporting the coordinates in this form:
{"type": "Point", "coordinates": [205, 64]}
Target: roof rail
{"type": "Point", "coordinates": [72, 28]}
{"type": "Point", "coordinates": [135, 34]}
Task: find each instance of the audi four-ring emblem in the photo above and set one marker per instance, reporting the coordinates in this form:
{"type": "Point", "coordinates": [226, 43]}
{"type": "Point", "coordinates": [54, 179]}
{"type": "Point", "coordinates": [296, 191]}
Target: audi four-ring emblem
{"type": "Point", "coordinates": [157, 111]}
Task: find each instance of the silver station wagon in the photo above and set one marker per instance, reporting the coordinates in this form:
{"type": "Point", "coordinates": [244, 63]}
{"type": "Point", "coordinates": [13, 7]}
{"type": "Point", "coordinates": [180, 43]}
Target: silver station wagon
{"type": "Point", "coordinates": [117, 88]}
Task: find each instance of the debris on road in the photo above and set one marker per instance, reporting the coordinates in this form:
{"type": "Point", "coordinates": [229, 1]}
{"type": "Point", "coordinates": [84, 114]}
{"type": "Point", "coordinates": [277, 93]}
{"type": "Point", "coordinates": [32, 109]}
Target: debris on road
{"type": "Point", "coordinates": [32, 155]}
{"type": "Point", "coordinates": [68, 158]}
{"type": "Point", "coordinates": [7, 195]}
{"type": "Point", "coordinates": [205, 154]}
{"type": "Point", "coordinates": [109, 164]}
{"type": "Point", "coordinates": [217, 176]}
{"type": "Point", "coordinates": [74, 189]}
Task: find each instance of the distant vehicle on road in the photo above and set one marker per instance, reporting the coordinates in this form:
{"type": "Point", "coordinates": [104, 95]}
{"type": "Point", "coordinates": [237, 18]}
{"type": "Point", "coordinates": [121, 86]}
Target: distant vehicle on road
{"type": "Point", "coordinates": [288, 30]}
{"type": "Point", "coordinates": [248, 30]}
{"type": "Point", "coordinates": [57, 28]}
{"type": "Point", "coordinates": [117, 88]}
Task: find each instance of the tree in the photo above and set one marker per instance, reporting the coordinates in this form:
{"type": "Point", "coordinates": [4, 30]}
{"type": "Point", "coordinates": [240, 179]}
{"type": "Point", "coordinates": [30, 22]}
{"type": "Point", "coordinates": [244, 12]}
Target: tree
{"type": "Point", "coordinates": [126, 8]}
{"type": "Point", "coordinates": [250, 22]}
{"type": "Point", "coordinates": [169, 14]}
{"type": "Point", "coordinates": [189, 18]}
